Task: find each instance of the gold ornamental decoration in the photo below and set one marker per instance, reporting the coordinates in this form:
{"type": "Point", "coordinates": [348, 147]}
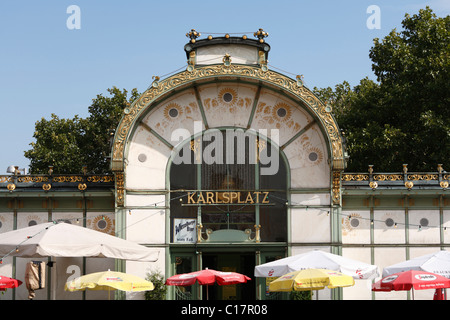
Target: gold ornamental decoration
{"type": "Point", "coordinates": [29, 179]}
{"type": "Point", "coordinates": [355, 177]}
{"type": "Point", "coordinates": [120, 185]}
{"type": "Point", "coordinates": [373, 185]}
{"type": "Point", "coordinates": [67, 179]}
{"type": "Point", "coordinates": [388, 177]}
{"type": "Point", "coordinates": [186, 78]}
{"type": "Point", "coordinates": [426, 177]}
{"type": "Point", "coordinates": [409, 185]}
{"type": "Point", "coordinates": [336, 189]}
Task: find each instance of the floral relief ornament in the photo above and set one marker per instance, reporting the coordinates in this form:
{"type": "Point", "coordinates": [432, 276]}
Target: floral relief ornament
{"type": "Point", "coordinates": [214, 71]}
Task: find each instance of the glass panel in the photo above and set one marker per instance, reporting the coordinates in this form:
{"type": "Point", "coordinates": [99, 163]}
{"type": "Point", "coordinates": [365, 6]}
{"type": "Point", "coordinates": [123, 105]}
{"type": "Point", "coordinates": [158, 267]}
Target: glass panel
{"type": "Point", "coordinates": [228, 184]}
{"type": "Point", "coordinates": [183, 265]}
{"type": "Point", "coordinates": [182, 177]}
{"type": "Point", "coordinates": [234, 174]}
{"type": "Point", "coordinates": [271, 295]}
{"type": "Point", "coordinates": [273, 218]}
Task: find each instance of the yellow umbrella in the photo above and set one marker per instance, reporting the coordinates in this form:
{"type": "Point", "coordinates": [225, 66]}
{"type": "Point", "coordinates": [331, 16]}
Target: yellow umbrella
{"type": "Point", "coordinates": [109, 280]}
{"type": "Point", "coordinates": [311, 279]}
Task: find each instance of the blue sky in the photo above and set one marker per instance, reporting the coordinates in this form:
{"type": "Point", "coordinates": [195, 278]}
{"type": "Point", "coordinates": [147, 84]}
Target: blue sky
{"type": "Point", "coordinates": [48, 68]}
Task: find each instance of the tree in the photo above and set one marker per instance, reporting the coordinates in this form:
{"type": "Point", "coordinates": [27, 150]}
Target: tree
{"type": "Point", "coordinates": [105, 114]}
{"type": "Point", "coordinates": [404, 117]}
{"type": "Point", "coordinates": [70, 144]}
{"type": "Point", "coordinates": [59, 143]}
{"type": "Point", "coordinates": [159, 292]}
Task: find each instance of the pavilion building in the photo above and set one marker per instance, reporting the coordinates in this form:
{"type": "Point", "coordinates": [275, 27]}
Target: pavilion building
{"type": "Point", "coordinates": [228, 165]}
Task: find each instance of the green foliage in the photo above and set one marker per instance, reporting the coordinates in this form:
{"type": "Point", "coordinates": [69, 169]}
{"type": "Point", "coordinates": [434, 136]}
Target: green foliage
{"type": "Point", "coordinates": [159, 293]}
{"type": "Point", "coordinates": [300, 295]}
{"type": "Point", "coordinates": [69, 144]}
{"type": "Point", "coordinates": [404, 118]}
{"type": "Point", "coordinates": [105, 114]}
{"type": "Point", "coordinates": [59, 143]}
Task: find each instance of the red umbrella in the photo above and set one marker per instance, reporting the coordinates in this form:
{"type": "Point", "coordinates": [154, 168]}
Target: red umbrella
{"type": "Point", "coordinates": [207, 277]}
{"type": "Point", "coordinates": [7, 283]}
{"type": "Point", "coordinates": [411, 279]}
{"type": "Point", "coordinates": [440, 294]}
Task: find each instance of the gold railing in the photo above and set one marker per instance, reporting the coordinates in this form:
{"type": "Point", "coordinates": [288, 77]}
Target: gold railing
{"type": "Point", "coordinates": [438, 179]}
{"type": "Point", "coordinates": [46, 182]}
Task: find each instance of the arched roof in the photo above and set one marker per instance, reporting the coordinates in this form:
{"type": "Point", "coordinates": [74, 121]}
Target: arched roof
{"type": "Point", "coordinates": [227, 71]}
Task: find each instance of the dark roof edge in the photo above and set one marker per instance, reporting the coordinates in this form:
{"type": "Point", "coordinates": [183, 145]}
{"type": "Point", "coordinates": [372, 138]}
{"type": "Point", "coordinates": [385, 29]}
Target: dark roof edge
{"type": "Point", "coordinates": [263, 46]}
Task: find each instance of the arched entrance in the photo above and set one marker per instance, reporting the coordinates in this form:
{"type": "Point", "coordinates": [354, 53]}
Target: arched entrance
{"type": "Point", "coordinates": [221, 194]}
{"type": "Point", "coordinates": [222, 207]}
{"type": "Point", "coordinates": [228, 190]}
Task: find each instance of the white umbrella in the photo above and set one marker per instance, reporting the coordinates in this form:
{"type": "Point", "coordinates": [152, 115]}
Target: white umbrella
{"type": "Point", "coordinates": [67, 240]}
{"type": "Point", "coordinates": [438, 262]}
{"type": "Point", "coordinates": [317, 260]}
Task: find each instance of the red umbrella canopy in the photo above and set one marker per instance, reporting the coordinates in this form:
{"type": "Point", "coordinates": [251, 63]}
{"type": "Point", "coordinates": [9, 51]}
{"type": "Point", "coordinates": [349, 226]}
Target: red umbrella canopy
{"type": "Point", "coordinates": [207, 276]}
{"type": "Point", "coordinates": [419, 280]}
{"type": "Point", "coordinates": [7, 283]}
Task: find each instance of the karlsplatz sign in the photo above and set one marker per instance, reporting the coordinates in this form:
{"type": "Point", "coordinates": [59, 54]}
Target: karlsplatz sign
{"type": "Point", "coordinates": [228, 197]}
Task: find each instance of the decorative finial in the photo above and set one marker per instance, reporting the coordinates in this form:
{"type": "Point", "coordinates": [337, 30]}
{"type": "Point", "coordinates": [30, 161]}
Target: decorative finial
{"type": "Point", "coordinates": [226, 59]}
{"type": "Point", "coordinates": [193, 35]}
{"type": "Point", "coordinates": [261, 34]}
{"type": "Point", "coordinates": [405, 168]}
{"type": "Point", "coordinates": [155, 82]}
{"type": "Point", "coordinates": [299, 80]}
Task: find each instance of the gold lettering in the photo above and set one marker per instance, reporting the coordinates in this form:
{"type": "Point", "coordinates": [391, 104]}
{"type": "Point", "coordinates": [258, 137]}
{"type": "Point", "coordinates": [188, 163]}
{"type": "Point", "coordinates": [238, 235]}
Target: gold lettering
{"type": "Point", "coordinates": [210, 197]}
{"type": "Point", "coordinates": [200, 198]}
{"type": "Point", "coordinates": [226, 197]}
{"type": "Point", "coordinates": [217, 197]}
{"type": "Point", "coordinates": [257, 195]}
{"type": "Point", "coordinates": [233, 195]}
{"type": "Point", "coordinates": [191, 197]}
{"type": "Point", "coordinates": [266, 194]}
{"type": "Point", "coordinates": [249, 198]}
{"type": "Point", "coordinates": [239, 198]}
